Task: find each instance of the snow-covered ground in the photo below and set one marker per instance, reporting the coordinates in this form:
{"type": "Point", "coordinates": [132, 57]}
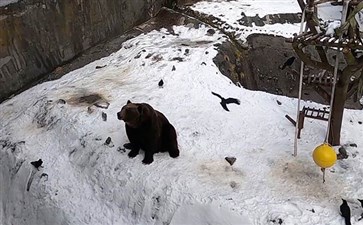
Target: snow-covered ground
{"type": "Point", "coordinates": [88, 182]}
{"type": "Point", "coordinates": [7, 2]}
{"type": "Point", "coordinates": [231, 11]}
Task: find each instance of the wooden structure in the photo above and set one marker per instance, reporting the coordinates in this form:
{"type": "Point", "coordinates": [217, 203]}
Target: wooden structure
{"type": "Point", "coordinates": [311, 38]}
{"type": "Point", "coordinates": [343, 41]}
{"type": "Point", "coordinates": [320, 79]}
{"type": "Point", "coordinates": [308, 112]}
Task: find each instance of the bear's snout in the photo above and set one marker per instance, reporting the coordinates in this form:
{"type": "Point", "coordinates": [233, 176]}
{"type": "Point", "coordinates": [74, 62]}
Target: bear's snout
{"type": "Point", "coordinates": [119, 116]}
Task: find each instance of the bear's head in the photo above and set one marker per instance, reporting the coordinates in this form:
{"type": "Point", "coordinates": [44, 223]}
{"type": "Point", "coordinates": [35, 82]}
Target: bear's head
{"type": "Point", "coordinates": [134, 114]}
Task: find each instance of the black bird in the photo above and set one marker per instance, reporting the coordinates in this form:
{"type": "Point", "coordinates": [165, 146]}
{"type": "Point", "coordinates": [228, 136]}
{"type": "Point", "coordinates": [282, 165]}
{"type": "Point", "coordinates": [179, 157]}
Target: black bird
{"type": "Point", "coordinates": [37, 164]}
{"type": "Point", "coordinates": [288, 63]}
{"type": "Point", "coordinates": [345, 211]}
{"type": "Point", "coordinates": [224, 101]}
{"type": "Point", "coordinates": [161, 83]}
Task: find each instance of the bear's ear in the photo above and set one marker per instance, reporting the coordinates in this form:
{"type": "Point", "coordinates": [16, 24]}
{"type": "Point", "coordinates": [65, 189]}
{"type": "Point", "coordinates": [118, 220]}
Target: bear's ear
{"type": "Point", "coordinates": [140, 109]}
{"type": "Point", "coordinates": [128, 102]}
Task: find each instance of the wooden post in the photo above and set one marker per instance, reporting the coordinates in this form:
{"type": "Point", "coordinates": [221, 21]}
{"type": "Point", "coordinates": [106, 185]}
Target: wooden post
{"type": "Point", "coordinates": [300, 124]}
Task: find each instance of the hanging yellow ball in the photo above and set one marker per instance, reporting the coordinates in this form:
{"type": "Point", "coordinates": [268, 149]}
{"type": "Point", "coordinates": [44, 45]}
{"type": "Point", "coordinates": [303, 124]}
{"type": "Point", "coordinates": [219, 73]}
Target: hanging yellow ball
{"type": "Point", "coordinates": [324, 156]}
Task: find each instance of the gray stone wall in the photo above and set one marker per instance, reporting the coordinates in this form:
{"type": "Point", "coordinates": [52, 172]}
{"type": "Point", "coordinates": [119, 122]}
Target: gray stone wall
{"type": "Point", "coordinates": [37, 36]}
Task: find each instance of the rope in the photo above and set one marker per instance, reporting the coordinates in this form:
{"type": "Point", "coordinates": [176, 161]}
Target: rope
{"type": "Point", "coordinates": [300, 88]}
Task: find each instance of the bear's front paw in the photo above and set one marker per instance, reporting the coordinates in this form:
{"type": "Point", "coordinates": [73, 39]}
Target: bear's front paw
{"type": "Point", "coordinates": [174, 154]}
{"type": "Point", "coordinates": [147, 160]}
{"type": "Point", "coordinates": [133, 153]}
{"type": "Point", "coordinates": [128, 146]}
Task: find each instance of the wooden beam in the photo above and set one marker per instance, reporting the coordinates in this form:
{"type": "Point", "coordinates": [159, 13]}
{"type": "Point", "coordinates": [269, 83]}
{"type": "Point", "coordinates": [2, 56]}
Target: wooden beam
{"type": "Point", "coordinates": [291, 120]}
{"type": "Point", "coordinates": [301, 4]}
{"type": "Point", "coordinates": [324, 1]}
{"type": "Point", "coordinates": [323, 93]}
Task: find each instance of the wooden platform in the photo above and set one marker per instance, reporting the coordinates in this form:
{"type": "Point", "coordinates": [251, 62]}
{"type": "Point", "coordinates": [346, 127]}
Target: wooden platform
{"type": "Point", "coordinates": [309, 38]}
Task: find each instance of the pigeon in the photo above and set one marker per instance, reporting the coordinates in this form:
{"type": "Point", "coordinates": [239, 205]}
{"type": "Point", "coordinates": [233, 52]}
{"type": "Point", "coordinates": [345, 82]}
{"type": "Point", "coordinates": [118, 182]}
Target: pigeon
{"type": "Point", "coordinates": [224, 101]}
{"type": "Point", "coordinates": [37, 164]}
{"type": "Point", "coordinates": [345, 211]}
{"type": "Point", "coordinates": [161, 83]}
{"type": "Point", "coordinates": [288, 63]}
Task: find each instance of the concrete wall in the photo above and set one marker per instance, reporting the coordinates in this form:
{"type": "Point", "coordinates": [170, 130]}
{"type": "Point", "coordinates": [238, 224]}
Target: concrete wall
{"type": "Point", "coordinates": [36, 36]}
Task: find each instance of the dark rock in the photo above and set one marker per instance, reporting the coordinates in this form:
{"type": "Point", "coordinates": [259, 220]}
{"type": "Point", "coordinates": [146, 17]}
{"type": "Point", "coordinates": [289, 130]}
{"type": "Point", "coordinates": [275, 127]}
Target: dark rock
{"type": "Point", "coordinates": [100, 67]}
{"type": "Point", "coordinates": [108, 141]}
{"type": "Point", "coordinates": [206, 52]}
{"type": "Point", "coordinates": [148, 55]}
{"type": "Point", "coordinates": [203, 63]}
{"type": "Point", "coordinates": [104, 116]}
{"type": "Point", "coordinates": [353, 145]}
{"type": "Point", "coordinates": [210, 32]}
{"type": "Point", "coordinates": [138, 55]}
{"type": "Point", "coordinates": [61, 101]}
{"type": "Point", "coordinates": [342, 153]}
{"type": "Point", "coordinates": [277, 221]}
{"type": "Point", "coordinates": [186, 52]}
{"type": "Point", "coordinates": [161, 83]}
{"type": "Point", "coordinates": [230, 160]}
{"type": "Point", "coordinates": [360, 122]}
{"type": "Point", "coordinates": [173, 69]}
{"type": "Point", "coordinates": [278, 102]}
{"type": "Point", "coordinates": [179, 59]}
{"type": "Point", "coordinates": [37, 163]}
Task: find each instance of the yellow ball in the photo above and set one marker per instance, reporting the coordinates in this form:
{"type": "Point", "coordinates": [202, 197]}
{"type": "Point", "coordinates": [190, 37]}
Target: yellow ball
{"type": "Point", "coordinates": [324, 156]}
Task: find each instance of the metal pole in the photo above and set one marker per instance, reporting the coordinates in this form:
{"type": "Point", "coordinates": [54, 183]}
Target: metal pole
{"type": "Point", "coordinates": [300, 89]}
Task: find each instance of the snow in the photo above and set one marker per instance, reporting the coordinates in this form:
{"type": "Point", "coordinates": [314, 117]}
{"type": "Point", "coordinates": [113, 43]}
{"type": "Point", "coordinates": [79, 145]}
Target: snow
{"type": "Point", "coordinates": [249, 7]}
{"type": "Point", "coordinates": [89, 182]}
{"type": "Point", "coordinates": [7, 2]}
{"type": "Point", "coordinates": [207, 214]}
{"type": "Point", "coordinates": [330, 31]}
{"type": "Point", "coordinates": [327, 12]}
{"type": "Point", "coordinates": [231, 11]}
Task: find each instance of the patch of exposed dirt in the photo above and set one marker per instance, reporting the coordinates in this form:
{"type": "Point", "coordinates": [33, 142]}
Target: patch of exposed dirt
{"type": "Point", "coordinates": [86, 100]}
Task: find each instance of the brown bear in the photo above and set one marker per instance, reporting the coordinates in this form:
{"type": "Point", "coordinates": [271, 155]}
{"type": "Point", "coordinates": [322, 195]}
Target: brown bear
{"type": "Point", "coordinates": [149, 130]}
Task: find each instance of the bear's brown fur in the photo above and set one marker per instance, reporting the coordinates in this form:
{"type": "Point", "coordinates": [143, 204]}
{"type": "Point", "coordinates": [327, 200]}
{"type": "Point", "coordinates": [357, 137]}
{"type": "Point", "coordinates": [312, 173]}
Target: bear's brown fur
{"type": "Point", "coordinates": [149, 130]}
